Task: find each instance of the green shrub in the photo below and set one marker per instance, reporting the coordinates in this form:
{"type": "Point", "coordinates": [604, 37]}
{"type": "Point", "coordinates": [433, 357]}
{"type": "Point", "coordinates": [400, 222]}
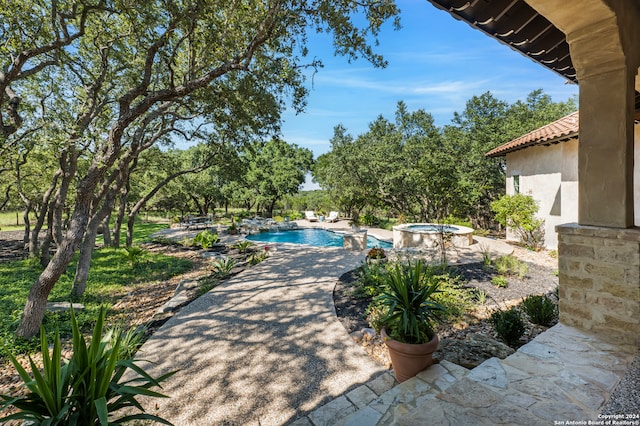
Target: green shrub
{"type": "Point", "coordinates": [540, 309]}
{"type": "Point", "coordinates": [375, 313]}
{"type": "Point", "coordinates": [479, 296]}
{"type": "Point", "coordinates": [518, 213]}
{"type": "Point", "coordinates": [508, 324]}
{"type": "Point", "coordinates": [509, 265]}
{"type": "Point", "coordinates": [500, 281]}
{"type": "Point", "coordinates": [278, 219]}
{"type": "Point", "coordinates": [88, 389]}
{"type": "Point", "coordinates": [294, 214]}
{"type": "Point", "coordinates": [371, 279]}
{"type": "Point", "coordinates": [369, 220]}
{"type": "Point", "coordinates": [206, 239]}
{"type": "Point", "coordinates": [481, 232]}
{"type": "Point", "coordinates": [451, 294]}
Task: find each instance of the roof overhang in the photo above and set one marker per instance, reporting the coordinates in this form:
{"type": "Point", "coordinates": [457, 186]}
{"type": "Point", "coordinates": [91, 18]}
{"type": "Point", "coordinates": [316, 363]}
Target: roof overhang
{"type": "Point", "coordinates": [519, 26]}
{"type": "Point", "coordinates": [561, 130]}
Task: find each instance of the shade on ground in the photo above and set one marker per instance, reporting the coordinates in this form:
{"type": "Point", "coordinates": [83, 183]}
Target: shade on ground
{"type": "Point", "coordinates": [263, 348]}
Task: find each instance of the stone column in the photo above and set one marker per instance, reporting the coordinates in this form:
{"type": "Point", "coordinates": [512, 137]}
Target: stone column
{"type": "Point", "coordinates": [605, 156]}
{"type": "Point", "coordinates": [599, 273]}
{"type": "Point", "coordinates": [599, 258]}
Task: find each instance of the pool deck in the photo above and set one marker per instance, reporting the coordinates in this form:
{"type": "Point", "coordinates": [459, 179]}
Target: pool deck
{"type": "Point", "coordinates": [455, 255]}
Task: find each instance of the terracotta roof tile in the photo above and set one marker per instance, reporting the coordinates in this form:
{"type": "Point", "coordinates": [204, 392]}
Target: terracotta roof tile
{"type": "Point", "coordinates": [560, 130]}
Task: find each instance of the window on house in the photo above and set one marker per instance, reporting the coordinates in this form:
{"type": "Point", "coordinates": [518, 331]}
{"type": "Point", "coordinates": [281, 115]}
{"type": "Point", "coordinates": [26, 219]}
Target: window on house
{"type": "Point", "coordinates": [516, 184]}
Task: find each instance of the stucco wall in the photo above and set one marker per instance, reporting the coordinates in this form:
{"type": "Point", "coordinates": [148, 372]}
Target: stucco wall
{"type": "Point", "coordinates": [549, 174]}
{"type": "Point", "coordinates": [549, 171]}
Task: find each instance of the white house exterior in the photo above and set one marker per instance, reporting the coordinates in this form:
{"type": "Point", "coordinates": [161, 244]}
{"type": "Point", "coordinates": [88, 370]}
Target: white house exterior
{"type": "Point", "coordinates": [544, 164]}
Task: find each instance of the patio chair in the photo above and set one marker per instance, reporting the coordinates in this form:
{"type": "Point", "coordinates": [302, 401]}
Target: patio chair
{"type": "Point", "coordinates": [310, 216]}
{"type": "Point", "coordinates": [333, 217]}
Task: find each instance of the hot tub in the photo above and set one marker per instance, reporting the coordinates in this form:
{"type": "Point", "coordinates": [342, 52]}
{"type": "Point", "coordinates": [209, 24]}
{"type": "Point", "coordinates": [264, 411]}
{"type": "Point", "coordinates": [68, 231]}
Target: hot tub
{"type": "Point", "coordinates": [428, 235]}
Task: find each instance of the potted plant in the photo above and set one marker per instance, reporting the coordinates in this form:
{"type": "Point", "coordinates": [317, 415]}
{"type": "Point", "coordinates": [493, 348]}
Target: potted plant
{"type": "Point", "coordinates": [409, 314]}
{"type": "Point", "coordinates": [376, 255]}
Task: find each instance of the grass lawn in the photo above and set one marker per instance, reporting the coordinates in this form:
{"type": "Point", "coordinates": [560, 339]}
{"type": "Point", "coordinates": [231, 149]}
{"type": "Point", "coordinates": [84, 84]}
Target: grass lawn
{"type": "Point", "coordinates": [111, 276]}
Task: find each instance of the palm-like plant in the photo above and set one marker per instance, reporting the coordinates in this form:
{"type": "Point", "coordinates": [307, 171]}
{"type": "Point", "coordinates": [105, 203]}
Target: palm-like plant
{"type": "Point", "coordinates": [408, 300]}
{"type": "Point", "coordinates": [88, 389]}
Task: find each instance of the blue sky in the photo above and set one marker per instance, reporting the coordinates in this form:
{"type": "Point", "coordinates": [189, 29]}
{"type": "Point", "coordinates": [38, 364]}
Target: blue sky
{"type": "Point", "coordinates": [436, 63]}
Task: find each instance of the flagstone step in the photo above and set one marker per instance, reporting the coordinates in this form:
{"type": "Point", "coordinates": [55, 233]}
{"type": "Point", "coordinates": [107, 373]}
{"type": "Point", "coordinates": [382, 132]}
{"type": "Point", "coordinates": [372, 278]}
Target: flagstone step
{"type": "Point", "coordinates": [563, 374]}
{"type": "Point", "coordinates": [382, 400]}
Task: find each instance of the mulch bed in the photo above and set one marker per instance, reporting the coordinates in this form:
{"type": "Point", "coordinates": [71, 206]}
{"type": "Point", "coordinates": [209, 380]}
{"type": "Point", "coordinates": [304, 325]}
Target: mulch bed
{"type": "Point", "coordinates": [540, 279]}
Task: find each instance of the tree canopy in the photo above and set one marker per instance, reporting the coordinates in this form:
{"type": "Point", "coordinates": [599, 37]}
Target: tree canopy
{"type": "Point", "coordinates": [416, 170]}
{"type": "Point", "coordinates": [95, 84]}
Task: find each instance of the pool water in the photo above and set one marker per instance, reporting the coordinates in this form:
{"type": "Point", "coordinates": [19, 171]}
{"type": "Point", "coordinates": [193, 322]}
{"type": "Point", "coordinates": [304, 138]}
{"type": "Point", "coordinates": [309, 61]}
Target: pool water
{"type": "Point", "coordinates": [312, 237]}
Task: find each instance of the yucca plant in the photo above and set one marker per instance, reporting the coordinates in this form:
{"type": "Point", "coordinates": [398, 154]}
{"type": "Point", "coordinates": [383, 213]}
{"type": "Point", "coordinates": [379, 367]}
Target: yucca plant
{"type": "Point", "coordinates": [88, 389]}
{"type": "Point", "coordinates": [224, 265]}
{"type": "Point", "coordinates": [411, 310]}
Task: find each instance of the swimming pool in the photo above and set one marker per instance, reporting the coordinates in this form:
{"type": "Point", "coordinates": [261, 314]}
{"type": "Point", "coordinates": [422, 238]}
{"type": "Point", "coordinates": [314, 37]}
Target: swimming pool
{"type": "Point", "coordinates": [312, 237]}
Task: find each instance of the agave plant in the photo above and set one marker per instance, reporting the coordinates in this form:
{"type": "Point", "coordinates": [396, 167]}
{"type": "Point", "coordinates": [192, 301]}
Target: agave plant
{"type": "Point", "coordinates": [224, 265]}
{"type": "Point", "coordinates": [88, 389]}
{"type": "Point", "coordinates": [411, 310]}
{"type": "Point", "coordinates": [242, 246]}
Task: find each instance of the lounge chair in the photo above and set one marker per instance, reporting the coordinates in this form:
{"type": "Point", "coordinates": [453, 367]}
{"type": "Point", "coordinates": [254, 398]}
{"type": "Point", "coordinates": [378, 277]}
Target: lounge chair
{"type": "Point", "coordinates": [310, 216]}
{"type": "Point", "coordinates": [333, 217]}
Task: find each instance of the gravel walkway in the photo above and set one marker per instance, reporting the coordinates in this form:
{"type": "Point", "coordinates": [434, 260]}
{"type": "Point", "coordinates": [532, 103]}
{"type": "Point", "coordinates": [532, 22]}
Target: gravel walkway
{"type": "Point", "coordinates": [263, 348]}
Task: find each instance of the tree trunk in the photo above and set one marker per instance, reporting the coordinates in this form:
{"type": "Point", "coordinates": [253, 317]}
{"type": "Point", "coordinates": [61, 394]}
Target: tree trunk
{"type": "Point", "coordinates": [27, 225]}
{"type": "Point", "coordinates": [36, 304]}
{"type": "Point", "coordinates": [106, 231]}
{"type": "Point", "coordinates": [44, 213]}
{"type": "Point", "coordinates": [45, 255]}
{"type": "Point", "coordinates": [68, 166]}
{"type": "Point", "coordinates": [124, 192]}
{"type": "Point", "coordinates": [89, 241]}
{"type": "Point", "coordinates": [84, 260]}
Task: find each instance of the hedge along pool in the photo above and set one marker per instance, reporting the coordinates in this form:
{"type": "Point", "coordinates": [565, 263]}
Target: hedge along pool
{"type": "Point", "coordinates": [311, 237]}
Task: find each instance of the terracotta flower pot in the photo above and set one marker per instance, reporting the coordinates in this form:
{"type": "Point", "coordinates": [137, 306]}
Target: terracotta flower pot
{"type": "Point", "coordinates": [409, 359]}
{"type": "Point", "coordinates": [376, 260]}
